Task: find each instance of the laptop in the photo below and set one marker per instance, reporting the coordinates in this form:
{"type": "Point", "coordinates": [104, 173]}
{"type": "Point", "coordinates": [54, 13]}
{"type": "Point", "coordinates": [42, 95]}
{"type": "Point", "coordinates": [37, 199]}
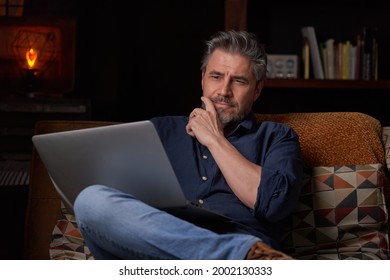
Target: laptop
{"type": "Point", "coordinates": [129, 157]}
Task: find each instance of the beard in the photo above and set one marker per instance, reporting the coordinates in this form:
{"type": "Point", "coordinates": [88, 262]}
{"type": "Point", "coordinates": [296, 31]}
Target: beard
{"type": "Point", "coordinates": [224, 116]}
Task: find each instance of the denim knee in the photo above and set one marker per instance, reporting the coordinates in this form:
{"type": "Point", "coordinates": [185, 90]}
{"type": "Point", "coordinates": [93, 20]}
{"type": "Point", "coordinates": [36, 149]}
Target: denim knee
{"type": "Point", "coordinates": [86, 198]}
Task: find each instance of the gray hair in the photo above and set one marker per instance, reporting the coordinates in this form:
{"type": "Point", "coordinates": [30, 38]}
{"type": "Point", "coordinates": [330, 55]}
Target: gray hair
{"type": "Point", "coordinates": [239, 42]}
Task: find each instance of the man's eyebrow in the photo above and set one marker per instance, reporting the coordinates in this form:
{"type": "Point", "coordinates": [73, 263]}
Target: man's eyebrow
{"type": "Point", "coordinates": [214, 72]}
{"type": "Point", "coordinates": [242, 78]}
{"type": "Point", "coordinates": [236, 77]}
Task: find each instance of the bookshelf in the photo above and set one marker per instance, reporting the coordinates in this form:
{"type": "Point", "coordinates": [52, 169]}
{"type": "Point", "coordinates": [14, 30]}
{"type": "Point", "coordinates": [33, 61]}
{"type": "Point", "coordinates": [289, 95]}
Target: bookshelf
{"type": "Point", "coordinates": [278, 24]}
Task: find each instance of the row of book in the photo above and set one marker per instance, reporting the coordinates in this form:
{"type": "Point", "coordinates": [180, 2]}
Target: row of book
{"type": "Point", "coordinates": [347, 60]}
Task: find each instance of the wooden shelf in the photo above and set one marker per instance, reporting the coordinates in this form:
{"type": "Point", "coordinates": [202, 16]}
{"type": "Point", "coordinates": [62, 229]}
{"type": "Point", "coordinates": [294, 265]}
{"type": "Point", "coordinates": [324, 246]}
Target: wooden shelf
{"type": "Point", "coordinates": [328, 84]}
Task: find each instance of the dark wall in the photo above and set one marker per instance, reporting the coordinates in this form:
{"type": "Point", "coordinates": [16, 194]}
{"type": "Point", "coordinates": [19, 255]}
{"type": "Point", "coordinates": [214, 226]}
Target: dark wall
{"type": "Point", "coordinates": [141, 59]}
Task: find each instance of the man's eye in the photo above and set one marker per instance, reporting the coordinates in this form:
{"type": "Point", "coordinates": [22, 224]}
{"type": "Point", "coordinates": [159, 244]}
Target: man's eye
{"type": "Point", "coordinates": [216, 77]}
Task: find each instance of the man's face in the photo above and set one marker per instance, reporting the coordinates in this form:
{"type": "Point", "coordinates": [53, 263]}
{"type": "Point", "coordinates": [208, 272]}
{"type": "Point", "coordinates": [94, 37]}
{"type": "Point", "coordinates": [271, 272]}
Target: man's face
{"type": "Point", "coordinates": [230, 83]}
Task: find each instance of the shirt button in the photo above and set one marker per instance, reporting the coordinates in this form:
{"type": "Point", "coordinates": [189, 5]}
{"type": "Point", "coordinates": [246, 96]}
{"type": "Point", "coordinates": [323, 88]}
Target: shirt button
{"type": "Point", "coordinates": [204, 156]}
{"type": "Point", "coordinates": [204, 178]}
{"type": "Point", "coordinates": [200, 201]}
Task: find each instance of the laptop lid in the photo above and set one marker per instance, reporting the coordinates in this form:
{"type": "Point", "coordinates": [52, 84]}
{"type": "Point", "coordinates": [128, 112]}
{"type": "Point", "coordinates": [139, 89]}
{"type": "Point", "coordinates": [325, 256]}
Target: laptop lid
{"type": "Point", "coordinates": [129, 157]}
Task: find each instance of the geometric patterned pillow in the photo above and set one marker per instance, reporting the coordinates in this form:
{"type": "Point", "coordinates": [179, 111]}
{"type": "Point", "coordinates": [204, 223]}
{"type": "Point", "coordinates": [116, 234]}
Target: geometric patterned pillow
{"type": "Point", "coordinates": [67, 242]}
{"type": "Point", "coordinates": [341, 214]}
{"type": "Point", "coordinates": [386, 143]}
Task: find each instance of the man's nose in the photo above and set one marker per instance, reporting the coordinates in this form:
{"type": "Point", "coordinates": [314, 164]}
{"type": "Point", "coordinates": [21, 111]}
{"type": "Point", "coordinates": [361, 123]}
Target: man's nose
{"type": "Point", "coordinates": [226, 89]}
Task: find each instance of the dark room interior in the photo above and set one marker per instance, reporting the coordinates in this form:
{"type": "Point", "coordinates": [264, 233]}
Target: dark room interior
{"type": "Point", "coordinates": [140, 59]}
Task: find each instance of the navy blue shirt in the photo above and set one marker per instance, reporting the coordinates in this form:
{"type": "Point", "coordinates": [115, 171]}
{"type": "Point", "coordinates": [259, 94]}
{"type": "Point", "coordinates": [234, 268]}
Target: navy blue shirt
{"type": "Point", "coordinates": [274, 146]}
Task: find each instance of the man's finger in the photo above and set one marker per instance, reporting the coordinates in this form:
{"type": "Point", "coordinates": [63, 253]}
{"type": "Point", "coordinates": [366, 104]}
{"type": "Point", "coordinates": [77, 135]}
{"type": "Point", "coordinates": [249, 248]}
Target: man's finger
{"type": "Point", "coordinates": [209, 106]}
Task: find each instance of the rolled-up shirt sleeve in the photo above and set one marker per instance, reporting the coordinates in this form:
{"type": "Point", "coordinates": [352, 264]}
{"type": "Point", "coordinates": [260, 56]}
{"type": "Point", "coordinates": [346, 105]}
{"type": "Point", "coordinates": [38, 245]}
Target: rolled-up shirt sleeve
{"type": "Point", "coordinates": [282, 172]}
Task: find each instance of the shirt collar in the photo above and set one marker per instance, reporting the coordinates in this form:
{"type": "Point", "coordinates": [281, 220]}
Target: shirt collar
{"type": "Point", "coordinates": [246, 124]}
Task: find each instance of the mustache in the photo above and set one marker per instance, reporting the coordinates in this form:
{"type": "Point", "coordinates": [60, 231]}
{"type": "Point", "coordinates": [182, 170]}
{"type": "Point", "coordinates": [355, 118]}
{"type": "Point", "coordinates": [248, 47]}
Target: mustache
{"type": "Point", "coordinates": [221, 99]}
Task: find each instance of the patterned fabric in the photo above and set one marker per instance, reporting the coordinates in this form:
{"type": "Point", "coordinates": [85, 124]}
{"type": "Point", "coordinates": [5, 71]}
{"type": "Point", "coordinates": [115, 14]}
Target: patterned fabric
{"type": "Point", "coordinates": [341, 215]}
{"type": "Point", "coordinates": [386, 143]}
{"type": "Point", "coordinates": [67, 242]}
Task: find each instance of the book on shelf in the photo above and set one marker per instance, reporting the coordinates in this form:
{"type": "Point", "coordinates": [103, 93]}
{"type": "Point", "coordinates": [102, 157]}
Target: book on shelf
{"type": "Point", "coordinates": [350, 59]}
{"type": "Point", "coordinates": [366, 54]}
{"type": "Point", "coordinates": [329, 56]}
{"type": "Point", "coordinates": [369, 55]}
{"type": "Point", "coordinates": [345, 60]}
{"type": "Point", "coordinates": [308, 32]}
{"type": "Point", "coordinates": [306, 59]}
{"type": "Point", "coordinates": [358, 56]}
{"type": "Point", "coordinates": [338, 59]}
{"type": "Point", "coordinates": [374, 75]}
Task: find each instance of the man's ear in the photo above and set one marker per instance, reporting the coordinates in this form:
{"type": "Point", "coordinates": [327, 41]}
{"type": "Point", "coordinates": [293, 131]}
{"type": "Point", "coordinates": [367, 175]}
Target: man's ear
{"type": "Point", "coordinates": [259, 88]}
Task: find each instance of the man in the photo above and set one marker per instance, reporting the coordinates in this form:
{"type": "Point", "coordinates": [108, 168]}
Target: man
{"type": "Point", "coordinates": [223, 159]}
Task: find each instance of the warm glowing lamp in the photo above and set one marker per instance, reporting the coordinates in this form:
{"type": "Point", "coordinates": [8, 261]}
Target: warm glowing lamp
{"type": "Point", "coordinates": [31, 71]}
{"type": "Point", "coordinates": [34, 51]}
{"type": "Point", "coordinates": [31, 57]}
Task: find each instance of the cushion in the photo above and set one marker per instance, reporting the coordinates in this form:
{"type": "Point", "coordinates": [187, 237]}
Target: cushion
{"type": "Point", "coordinates": [341, 214]}
{"type": "Point", "coordinates": [386, 143]}
{"type": "Point", "coordinates": [335, 138]}
{"type": "Point", "coordinates": [67, 242]}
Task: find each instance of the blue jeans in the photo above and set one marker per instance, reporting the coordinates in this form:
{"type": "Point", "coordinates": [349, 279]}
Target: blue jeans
{"type": "Point", "coordinates": [116, 225]}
